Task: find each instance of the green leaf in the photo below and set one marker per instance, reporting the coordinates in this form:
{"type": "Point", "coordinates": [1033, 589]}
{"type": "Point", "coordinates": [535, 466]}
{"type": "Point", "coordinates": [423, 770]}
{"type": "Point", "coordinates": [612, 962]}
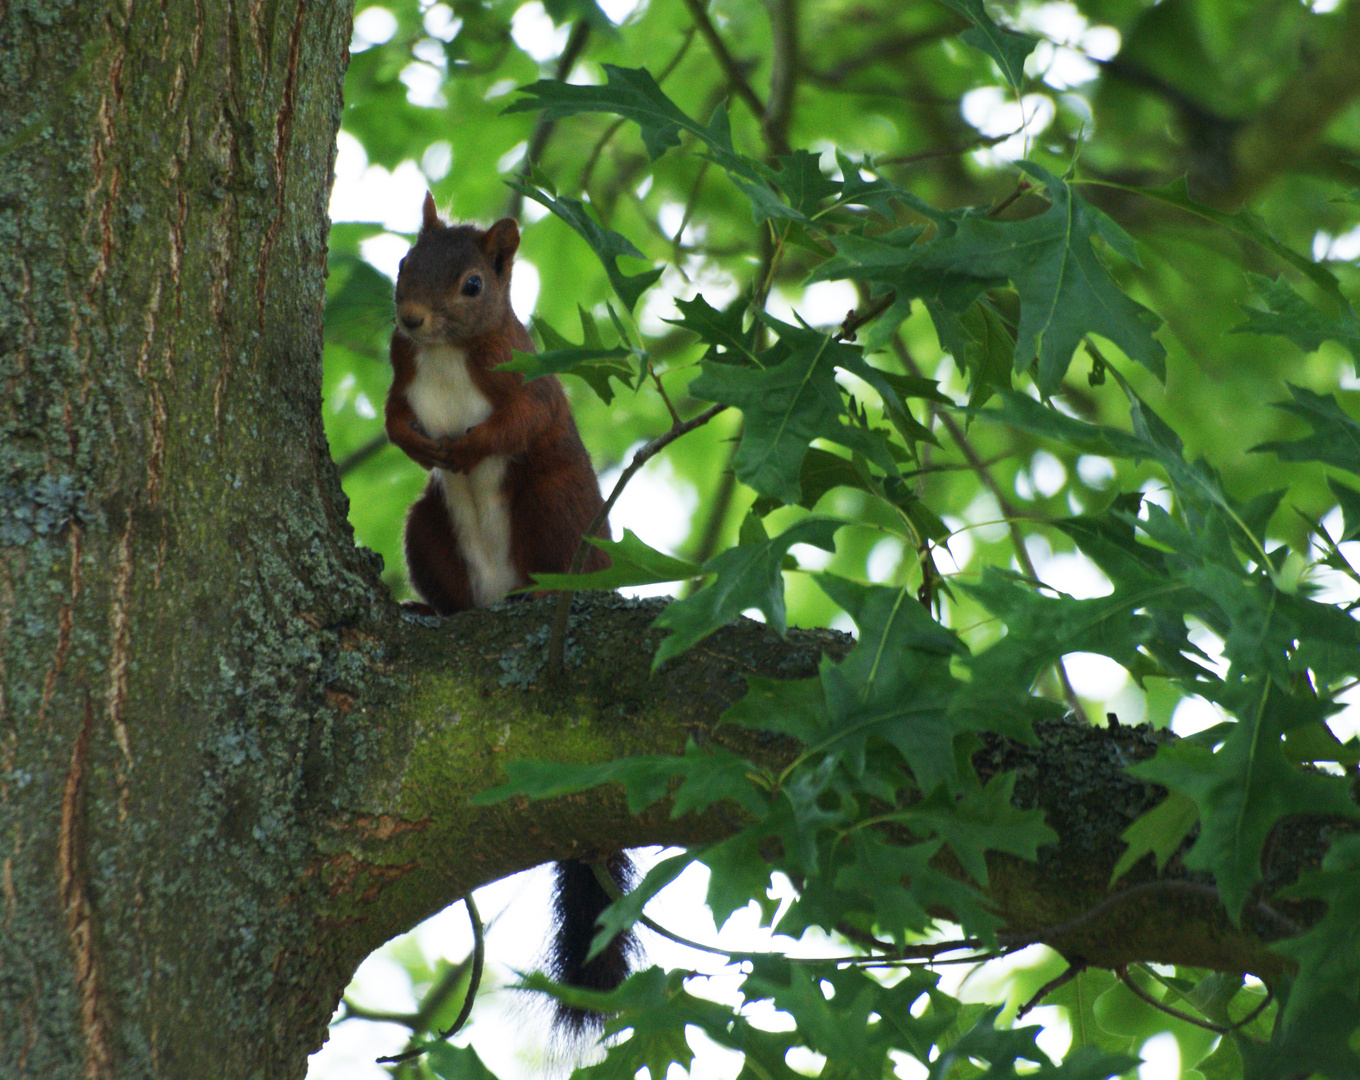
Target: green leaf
{"type": "Point", "coordinates": [748, 576]}
{"type": "Point", "coordinates": [1291, 316]}
{"type": "Point", "coordinates": [1065, 291]}
{"type": "Point", "coordinates": [793, 707]}
{"type": "Point", "coordinates": [451, 1062]}
{"type": "Point", "coordinates": [895, 685]}
{"type": "Point", "coordinates": [1245, 787]}
{"type": "Point", "coordinates": [645, 779]}
{"type": "Point", "coordinates": [721, 330]}
{"type": "Point", "coordinates": [714, 774]}
{"type": "Point", "coordinates": [1006, 47]}
{"type": "Point", "coordinates": [802, 182]}
{"type": "Point", "coordinates": [633, 94]}
{"type": "Point", "coordinates": [634, 563]}
{"type": "Point", "coordinates": [1326, 951]}
{"type": "Point", "coordinates": [978, 821]}
{"type": "Point", "coordinates": [629, 92]}
{"type": "Point", "coordinates": [1243, 223]}
{"type": "Point", "coordinates": [1336, 436]}
{"type": "Point", "coordinates": [1160, 831]}
{"type": "Point", "coordinates": [1042, 629]}
{"type": "Point", "coordinates": [592, 361]}
{"type": "Point", "coordinates": [739, 874]}
{"type": "Point", "coordinates": [1078, 997]}
{"type": "Point", "coordinates": [624, 912]}
{"type": "Point", "coordinates": [790, 400]}
{"type": "Point", "coordinates": [884, 878]}
{"type": "Point", "coordinates": [607, 244]}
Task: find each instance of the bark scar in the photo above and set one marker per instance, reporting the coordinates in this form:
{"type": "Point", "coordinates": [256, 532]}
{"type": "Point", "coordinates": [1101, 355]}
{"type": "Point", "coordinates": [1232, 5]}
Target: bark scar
{"type": "Point", "coordinates": [71, 858]}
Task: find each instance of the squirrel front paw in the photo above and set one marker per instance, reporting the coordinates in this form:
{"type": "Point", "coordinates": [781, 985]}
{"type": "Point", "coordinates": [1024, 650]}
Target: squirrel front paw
{"type": "Point", "coordinates": [456, 455]}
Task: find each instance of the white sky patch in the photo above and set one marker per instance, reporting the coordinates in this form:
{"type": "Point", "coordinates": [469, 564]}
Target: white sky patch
{"type": "Point", "coordinates": [384, 253]}
{"type": "Point", "coordinates": [364, 192]}
{"type": "Point", "coordinates": [1095, 472]}
{"type": "Point", "coordinates": [1343, 248]}
{"type": "Point", "coordinates": [810, 557]}
{"type": "Point", "coordinates": [525, 283]}
{"type": "Point", "coordinates": [1073, 573]}
{"type": "Point", "coordinates": [372, 26]}
{"type": "Point", "coordinates": [1161, 1056]}
{"type": "Point", "coordinates": [884, 560]}
{"type": "Point", "coordinates": [533, 30]}
{"type": "Point", "coordinates": [618, 11]}
{"type": "Point", "coordinates": [437, 160]}
{"type": "Point", "coordinates": [1093, 676]}
{"type": "Point", "coordinates": [993, 113]}
{"type": "Point", "coordinates": [440, 22]}
{"type": "Point", "coordinates": [1047, 472]}
{"type": "Point", "coordinates": [423, 84]}
{"type": "Point", "coordinates": [1194, 714]}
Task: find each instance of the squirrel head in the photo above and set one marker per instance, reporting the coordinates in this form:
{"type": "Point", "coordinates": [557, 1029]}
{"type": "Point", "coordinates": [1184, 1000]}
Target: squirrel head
{"type": "Point", "coordinates": [454, 283]}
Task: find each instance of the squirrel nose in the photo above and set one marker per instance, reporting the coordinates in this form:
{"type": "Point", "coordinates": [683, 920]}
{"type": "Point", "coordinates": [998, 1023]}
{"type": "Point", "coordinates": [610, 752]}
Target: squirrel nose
{"type": "Point", "coordinates": [411, 320]}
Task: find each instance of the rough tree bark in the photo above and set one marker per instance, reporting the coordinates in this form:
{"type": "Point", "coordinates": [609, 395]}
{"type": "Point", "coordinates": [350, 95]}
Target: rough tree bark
{"type": "Point", "coordinates": [228, 767]}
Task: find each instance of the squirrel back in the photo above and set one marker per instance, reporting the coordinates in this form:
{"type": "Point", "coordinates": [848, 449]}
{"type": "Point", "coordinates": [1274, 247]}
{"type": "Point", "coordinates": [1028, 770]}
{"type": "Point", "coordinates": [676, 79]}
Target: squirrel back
{"type": "Point", "coordinates": [511, 489]}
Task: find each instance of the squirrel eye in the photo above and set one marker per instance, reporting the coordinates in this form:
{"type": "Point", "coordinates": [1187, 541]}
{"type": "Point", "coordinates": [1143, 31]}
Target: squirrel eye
{"type": "Point", "coordinates": [472, 286]}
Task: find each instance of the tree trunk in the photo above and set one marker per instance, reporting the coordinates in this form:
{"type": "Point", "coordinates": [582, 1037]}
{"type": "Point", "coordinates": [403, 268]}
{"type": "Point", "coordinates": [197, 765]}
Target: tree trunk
{"type": "Point", "coordinates": [229, 768]}
{"type": "Point", "coordinates": [176, 560]}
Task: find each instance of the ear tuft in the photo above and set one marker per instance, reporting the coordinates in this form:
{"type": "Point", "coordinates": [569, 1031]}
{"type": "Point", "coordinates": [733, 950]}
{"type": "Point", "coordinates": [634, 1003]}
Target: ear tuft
{"type": "Point", "coordinates": [499, 244]}
{"type": "Point", "coordinates": [431, 215]}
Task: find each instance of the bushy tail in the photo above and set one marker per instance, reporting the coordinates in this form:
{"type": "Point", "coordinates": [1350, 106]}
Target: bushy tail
{"type": "Point", "coordinates": [579, 899]}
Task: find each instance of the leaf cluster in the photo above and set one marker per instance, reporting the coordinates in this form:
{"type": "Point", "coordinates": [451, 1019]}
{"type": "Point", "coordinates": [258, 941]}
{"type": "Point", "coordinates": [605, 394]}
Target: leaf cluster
{"type": "Point", "coordinates": [1041, 307]}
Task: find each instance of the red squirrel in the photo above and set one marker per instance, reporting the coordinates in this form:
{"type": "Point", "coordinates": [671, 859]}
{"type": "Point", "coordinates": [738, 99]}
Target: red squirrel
{"type": "Point", "coordinates": [511, 488]}
{"type": "Point", "coordinates": [510, 494]}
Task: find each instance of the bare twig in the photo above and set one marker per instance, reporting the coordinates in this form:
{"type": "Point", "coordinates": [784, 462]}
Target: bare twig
{"type": "Point", "coordinates": [726, 61]}
{"type": "Point", "coordinates": [571, 52]}
{"type": "Point", "coordinates": [474, 982]}
{"type": "Point", "coordinates": [1008, 512]}
{"type": "Point", "coordinates": [774, 124]}
{"type": "Point", "coordinates": [360, 454]}
{"type": "Point", "coordinates": [1265, 1004]}
{"type": "Point", "coordinates": [1073, 970]}
{"type": "Point", "coordinates": [1160, 1006]}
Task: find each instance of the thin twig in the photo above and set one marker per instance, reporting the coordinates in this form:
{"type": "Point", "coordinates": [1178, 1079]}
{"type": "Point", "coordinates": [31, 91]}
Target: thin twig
{"type": "Point", "coordinates": [1020, 189]}
{"type": "Point", "coordinates": [1073, 970]}
{"type": "Point", "coordinates": [1270, 996]}
{"type": "Point", "coordinates": [784, 71]}
{"type": "Point", "coordinates": [358, 456]}
{"type": "Point", "coordinates": [946, 151]}
{"type": "Point", "coordinates": [571, 52]}
{"type": "Point", "coordinates": [1008, 512]}
{"type": "Point", "coordinates": [1139, 992]}
{"type": "Point", "coordinates": [474, 982]}
{"type": "Point", "coordinates": [725, 59]}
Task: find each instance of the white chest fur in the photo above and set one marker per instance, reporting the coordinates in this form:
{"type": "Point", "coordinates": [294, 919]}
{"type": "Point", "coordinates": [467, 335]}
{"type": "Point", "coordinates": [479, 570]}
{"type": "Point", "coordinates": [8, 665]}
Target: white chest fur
{"type": "Point", "coordinates": [447, 402]}
{"type": "Point", "coordinates": [442, 395]}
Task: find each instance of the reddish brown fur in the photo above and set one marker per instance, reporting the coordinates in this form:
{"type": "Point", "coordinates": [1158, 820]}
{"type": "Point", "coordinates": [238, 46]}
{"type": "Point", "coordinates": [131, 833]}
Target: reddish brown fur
{"type": "Point", "coordinates": [552, 490]}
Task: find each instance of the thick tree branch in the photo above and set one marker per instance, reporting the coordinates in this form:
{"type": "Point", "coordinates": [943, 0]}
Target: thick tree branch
{"type": "Point", "coordinates": [474, 697]}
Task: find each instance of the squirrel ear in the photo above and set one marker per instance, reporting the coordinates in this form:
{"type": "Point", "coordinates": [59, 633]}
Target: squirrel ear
{"type": "Point", "coordinates": [499, 244]}
{"type": "Point", "coordinates": [431, 215]}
